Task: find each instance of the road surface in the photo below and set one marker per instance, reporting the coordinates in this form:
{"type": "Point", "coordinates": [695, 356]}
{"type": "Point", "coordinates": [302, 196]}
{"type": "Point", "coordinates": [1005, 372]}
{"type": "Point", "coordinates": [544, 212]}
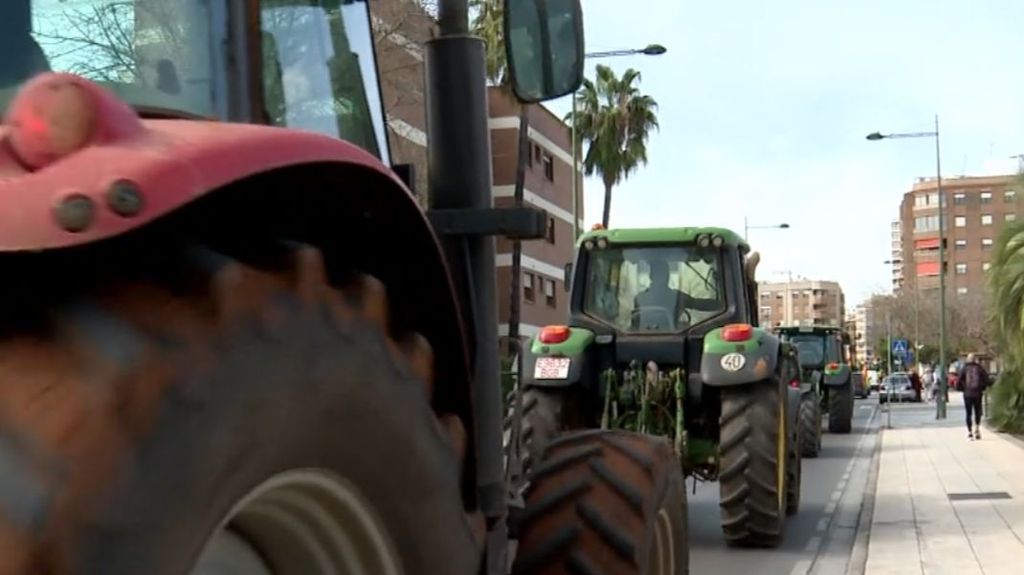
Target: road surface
{"type": "Point", "coordinates": [820, 537]}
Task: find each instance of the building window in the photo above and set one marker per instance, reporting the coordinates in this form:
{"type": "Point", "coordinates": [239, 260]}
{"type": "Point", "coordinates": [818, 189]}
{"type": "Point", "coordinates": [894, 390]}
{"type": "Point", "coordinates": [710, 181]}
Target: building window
{"type": "Point", "coordinates": [986, 243]}
{"type": "Point", "coordinates": [961, 269]}
{"type": "Point", "coordinates": [961, 244]}
{"type": "Point", "coordinates": [528, 286]}
{"type": "Point", "coordinates": [986, 197]}
{"type": "Point", "coordinates": [926, 224]}
{"type": "Point", "coordinates": [537, 153]}
{"type": "Point", "coordinates": [1010, 217]}
{"type": "Point", "coordinates": [960, 221]}
{"type": "Point", "coordinates": [961, 291]}
{"type": "Point", "coordinates": [549, 292]}
{"type": "Point", "coordinates": [1010, 196]}
{"type": "Point", "coordinates": [985, 266]}
{"type": "Point", "coordinates": [959, 199]}
{"type": "Point", "coordinates": [986, 219]}
{"type": "Point", "coordinates": [549, 167]}
{"type": "Point", "coordinates": [550, 234]}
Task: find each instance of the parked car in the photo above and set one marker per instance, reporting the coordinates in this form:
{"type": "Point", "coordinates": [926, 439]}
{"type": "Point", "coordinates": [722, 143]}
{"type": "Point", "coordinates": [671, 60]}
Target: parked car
{"type": "Point", "coordinates": [860, 385]}
{"type": "Point", "coordinates": [896, 387]}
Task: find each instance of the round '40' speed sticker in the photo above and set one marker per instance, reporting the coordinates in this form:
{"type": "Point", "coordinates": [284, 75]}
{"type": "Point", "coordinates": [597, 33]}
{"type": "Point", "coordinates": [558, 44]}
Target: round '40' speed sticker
{"type": "Point", "coordinates": [733, 361]}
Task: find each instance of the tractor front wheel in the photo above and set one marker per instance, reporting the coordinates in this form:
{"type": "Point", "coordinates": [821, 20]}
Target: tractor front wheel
{"type": "Point", "coordinates": [190, 413]}
{"type": "Point", "coordinates": [840, 408]}
{"type": "Point", "coordinates": [810, 423]}
{"type": "Point", "coordinates": [604, 502]}
{"type": "Point", "coordinates": [753, 451]}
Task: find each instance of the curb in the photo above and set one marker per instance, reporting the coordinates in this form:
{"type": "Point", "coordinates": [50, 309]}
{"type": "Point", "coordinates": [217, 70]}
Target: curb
{"type": "Point", "coordinates": [1013, 439]}
{"type": "Point", "coordinates": [859, 554]}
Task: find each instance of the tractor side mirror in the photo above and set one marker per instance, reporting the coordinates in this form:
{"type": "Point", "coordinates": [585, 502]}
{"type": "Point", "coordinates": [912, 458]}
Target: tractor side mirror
{"type": "Point", "coordinates": [567, 279]}
{"type": "Point", "coordinates": [544, 48]}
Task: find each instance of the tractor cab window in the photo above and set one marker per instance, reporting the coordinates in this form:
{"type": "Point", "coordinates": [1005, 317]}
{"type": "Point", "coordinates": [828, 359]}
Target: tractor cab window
{"type": "Point", "coordinates": [811, 349]}
{"type": "Point", "coordinates": [654, 289]}
{"type": "Point", "coordinates": [162, 56]}
{"type": "Point", "coordinates": [319, 70]}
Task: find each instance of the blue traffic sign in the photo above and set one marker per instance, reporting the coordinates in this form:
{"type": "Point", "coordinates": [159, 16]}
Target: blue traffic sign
{"type": "Point", "coordinates": [900, 347]}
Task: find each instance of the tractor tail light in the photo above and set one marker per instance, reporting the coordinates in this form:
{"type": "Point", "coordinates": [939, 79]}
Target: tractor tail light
{"type": "Point", "coordinates": [832, 367]}
{"type": "Point", "coordinates": [554, 334]}
{"type": "Point", "coordinates": [737, 332]}
{"type": "Point", "coordinates": [795, 384]}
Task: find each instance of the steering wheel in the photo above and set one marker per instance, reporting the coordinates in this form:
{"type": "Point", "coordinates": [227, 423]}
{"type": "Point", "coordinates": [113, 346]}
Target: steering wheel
{"type": "Point", "coordinates": [684, 319]}
{"type": "Point", "coordinates": [639, 312]}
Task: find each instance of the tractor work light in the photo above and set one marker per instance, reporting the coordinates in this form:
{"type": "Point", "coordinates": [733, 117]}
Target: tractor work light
{"type": "Point", "coordinates": [589, 245]}
{"type": "Point", "coordinates": [51, 119]}
{"type": "Point", "coordinates": [737, 332]}
{"type": "Point", "coordinates": [703, 240]}
{"type": "Point", "coordinates": [554, 334]}
{"type": "Point", "coordinates": [717, 241]}
{"type": "Point", "coordinates": [602, 243]}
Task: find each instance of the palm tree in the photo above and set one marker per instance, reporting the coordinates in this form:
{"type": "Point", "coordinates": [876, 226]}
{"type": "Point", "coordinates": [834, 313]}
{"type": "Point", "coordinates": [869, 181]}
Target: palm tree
{"type": "Point", "coordinates": [1006, 286]}
{"type": "Point", "coordinates": [615, 120]}
{"type": "Point", "coordinates": [487, 23]}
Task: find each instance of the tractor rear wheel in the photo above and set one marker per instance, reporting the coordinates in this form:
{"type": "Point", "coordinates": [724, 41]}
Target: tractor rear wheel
{"type": "Point", "coordinates": [547, 411]}
{"type": "Point", "coordinates": [194, 414]}
{"type": "Point", "coordinates": [753, 452]}
{"type": "Point", "coordinates": [810, 423]}
{"type": "Point", "coordinates": [604, 502]}
{"type": "Point", "coordinates": [840, 408]}
{"type": "Point", "coordinates": [794, 470]}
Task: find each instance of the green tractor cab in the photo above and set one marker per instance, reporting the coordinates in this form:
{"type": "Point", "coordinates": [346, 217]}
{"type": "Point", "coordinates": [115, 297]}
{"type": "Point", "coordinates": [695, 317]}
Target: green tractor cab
{"type": "Point", "coordinates": [827, 382]}
{"type": "Point", "coordinates": [662, 338]}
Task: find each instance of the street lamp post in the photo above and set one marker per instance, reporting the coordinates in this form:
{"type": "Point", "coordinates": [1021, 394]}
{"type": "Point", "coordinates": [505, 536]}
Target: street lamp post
{"type": "Point", "coordinates": [649, 50]}
{"type": "Point", "coordinates": [747, 227]}
{"type": "Point", "coordinates": [940, 405]}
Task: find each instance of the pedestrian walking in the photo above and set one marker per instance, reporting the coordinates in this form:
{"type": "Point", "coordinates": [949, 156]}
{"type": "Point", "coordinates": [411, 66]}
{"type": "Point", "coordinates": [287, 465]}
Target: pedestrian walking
{"type": "Point", "coordinates": [973, 380]}
{"type": "Point", "coordinates": [915, 382]}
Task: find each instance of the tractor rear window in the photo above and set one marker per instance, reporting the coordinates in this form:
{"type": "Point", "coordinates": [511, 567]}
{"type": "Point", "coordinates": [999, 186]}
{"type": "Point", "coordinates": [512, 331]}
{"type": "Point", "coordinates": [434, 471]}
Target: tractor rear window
{"type": "Point", "coordinates": [155, 54]}
{"type": "Point", "coordinates": [817, 349]}
{"type": "Point", "coordinates": [654, 289]}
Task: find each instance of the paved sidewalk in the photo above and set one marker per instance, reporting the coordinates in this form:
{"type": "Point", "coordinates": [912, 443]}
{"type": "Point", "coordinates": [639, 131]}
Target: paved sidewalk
{"type": "Point", "coordinates": [945, 504]}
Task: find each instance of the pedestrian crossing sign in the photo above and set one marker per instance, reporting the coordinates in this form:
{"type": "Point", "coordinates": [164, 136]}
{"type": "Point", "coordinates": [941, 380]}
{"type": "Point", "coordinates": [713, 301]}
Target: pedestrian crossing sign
{"type": "Point", "coordinates": [900, 347]}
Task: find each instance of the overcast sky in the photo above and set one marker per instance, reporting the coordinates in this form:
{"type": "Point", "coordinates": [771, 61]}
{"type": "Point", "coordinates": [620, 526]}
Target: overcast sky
{"type": "Point", "coordinates": [764, 107]}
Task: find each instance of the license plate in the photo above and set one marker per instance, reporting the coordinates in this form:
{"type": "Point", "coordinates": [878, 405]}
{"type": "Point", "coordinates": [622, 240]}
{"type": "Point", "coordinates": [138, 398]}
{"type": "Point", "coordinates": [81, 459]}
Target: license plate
{"type": "Point", "coordinates": [551, 368]}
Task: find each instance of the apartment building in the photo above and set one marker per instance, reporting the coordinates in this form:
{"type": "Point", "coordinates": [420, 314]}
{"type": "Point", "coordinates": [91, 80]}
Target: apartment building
{"type": "Point", "coordinates": [548, 186]}
{"type": "Point", "coordinates": [400, 29]}
{"type": "Point", "coordinates": [976, 208]}
{"type": "Point", "coordinates": [896, 254]}
{"type": "Point", "coordinates": [864, 331]}
{"type": "Point", "coordinates": [801, 302]}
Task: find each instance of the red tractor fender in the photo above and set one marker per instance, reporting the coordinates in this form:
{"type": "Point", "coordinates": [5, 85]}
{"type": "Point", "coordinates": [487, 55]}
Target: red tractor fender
{"type": "Point", "coordinates": [78, 165]}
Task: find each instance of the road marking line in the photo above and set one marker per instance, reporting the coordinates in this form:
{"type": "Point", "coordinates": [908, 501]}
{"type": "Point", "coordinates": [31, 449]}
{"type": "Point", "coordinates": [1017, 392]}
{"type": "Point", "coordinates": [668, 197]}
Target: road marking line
{"type": "Point", "coordinates": [822, 524]}
{"type": "Point", "coordinates": [830, 508]}
{"type": "Point", "coordinates": [812, 544]}
{"type": "Point", "coordinates": [836, 495]}
{"type": "Point", "coordinates": [801, 567]}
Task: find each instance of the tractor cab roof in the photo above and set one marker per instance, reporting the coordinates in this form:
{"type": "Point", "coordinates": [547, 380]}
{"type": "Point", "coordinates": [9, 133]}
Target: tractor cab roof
{"type": "Point", "coordinates": [684, 235]}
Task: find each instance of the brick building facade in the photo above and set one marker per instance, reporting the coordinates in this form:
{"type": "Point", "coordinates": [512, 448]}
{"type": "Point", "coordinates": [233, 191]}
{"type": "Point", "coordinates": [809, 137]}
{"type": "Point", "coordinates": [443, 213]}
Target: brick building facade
{"type": "Point", "coordinates": [801, 302]}
{"type": "Point", "coordinates": [548, 186]}
{"type": "Point", "coordinates": [975, 210]}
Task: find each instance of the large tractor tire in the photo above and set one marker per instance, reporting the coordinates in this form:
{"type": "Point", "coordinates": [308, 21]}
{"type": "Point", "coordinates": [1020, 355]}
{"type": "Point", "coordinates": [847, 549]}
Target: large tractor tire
{"type": "Point", "coordinates": [547, 411]}
{"type": "Point", "coordinates": [193, 414]}
{"type": "Point", "coordinates": [809, 417]}
{"type": "Point", "coordinates": [794, 470]}
{"type": "Point", "coordinates": [840, 409]}
{"type": "Point", "coordinates": [604, 502]}
{"type": "Point", "coordinates": [753, 451]}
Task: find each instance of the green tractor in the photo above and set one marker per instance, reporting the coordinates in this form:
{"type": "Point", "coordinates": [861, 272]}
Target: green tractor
{"type": "Point", "coordinates": [826, 381]}
{"type": "Point", "coordinates": [662, 339]}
